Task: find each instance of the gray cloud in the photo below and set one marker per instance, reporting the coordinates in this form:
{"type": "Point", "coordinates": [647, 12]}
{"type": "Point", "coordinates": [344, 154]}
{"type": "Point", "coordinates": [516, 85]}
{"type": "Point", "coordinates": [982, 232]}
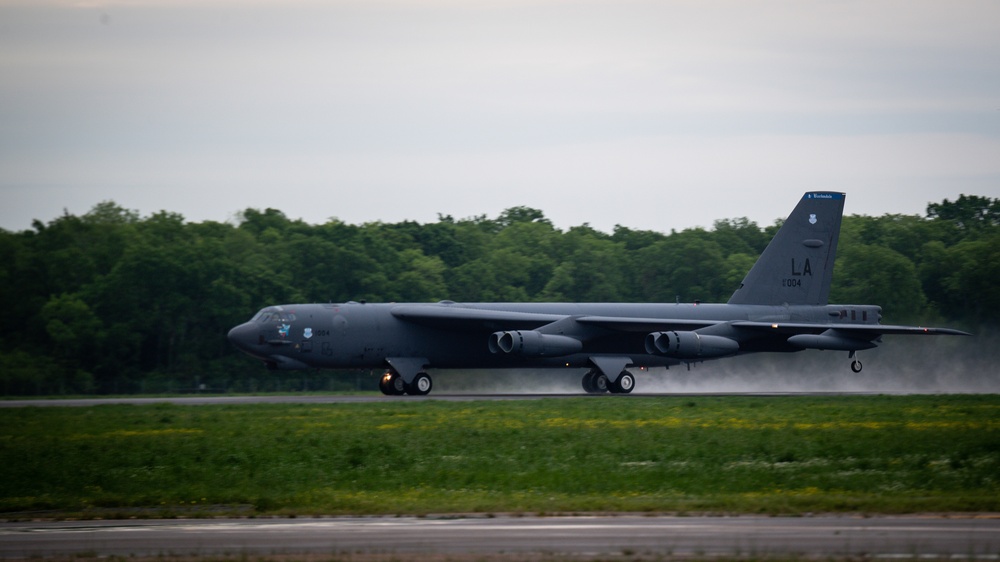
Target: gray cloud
{"type": "Point", "coordinates": [649, 114]}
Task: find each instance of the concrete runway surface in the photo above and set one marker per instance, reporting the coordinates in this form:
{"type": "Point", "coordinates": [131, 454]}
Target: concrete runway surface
{"type": "Point", "coordinates": [923, 537]}
{"type": "Point", "coordinates": [368, 398]}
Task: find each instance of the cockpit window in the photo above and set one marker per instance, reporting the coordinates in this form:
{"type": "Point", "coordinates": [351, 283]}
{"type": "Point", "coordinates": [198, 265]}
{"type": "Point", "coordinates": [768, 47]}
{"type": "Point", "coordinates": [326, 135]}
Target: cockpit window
{"type": "Point", "coordinates": [275, 314]}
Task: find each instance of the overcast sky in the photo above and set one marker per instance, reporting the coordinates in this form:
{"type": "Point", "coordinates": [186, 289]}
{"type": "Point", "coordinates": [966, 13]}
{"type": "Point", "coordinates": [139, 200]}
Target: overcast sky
{"type": "Point", "coordinates": [650, 114]}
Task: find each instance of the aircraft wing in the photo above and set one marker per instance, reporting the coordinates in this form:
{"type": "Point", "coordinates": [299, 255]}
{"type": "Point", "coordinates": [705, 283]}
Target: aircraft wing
{"type": "Point", "coordinates": [460, 317]}
{"type": "Point", "coordinates": [859, 331]}
{"type": "Point", "coordinates": [454, 317]}
{"type": "Point", "coordinates": [645, 324]}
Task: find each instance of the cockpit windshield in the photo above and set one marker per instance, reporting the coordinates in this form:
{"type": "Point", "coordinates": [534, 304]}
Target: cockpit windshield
{"type": "Point", "coordinates": [274, 314]}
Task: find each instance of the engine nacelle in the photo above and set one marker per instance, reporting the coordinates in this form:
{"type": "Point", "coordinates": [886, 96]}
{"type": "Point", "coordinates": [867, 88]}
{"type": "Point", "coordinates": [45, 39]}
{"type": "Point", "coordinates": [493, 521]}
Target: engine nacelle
{"type": "Point", "coordinates": [690, 345]}
{"type": "Point", "coordinates": [533, 344]}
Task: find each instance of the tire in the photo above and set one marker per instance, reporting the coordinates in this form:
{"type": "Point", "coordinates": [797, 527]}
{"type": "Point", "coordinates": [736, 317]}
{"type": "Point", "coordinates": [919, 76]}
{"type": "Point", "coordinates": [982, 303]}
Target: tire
{"type": "Point", "coordinates": [421, 385]}
{"type": "Point", "coordinates": [391, 384]}
{"type": "Point", "coordinates": [384, 384]}
{"type": "Point", "coordinates": [625, 383]}
{"type": "Point", "coordinates": [601, 383]}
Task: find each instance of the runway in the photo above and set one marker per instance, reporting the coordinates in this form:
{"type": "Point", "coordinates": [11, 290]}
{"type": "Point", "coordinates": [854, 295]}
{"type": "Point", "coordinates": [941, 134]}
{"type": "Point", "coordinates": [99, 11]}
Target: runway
{"type": "Point", "coordinates": [270, 399]}
{"type": "Point", "coordinates": [965, 538]}
{"type": "Point", "coordinates": [375, 397]}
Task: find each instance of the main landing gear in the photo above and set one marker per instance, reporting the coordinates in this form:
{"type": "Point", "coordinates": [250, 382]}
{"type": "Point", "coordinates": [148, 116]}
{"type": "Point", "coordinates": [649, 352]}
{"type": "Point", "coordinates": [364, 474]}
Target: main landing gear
{"type": "Point", "coordinates": [392, 384]}
{"type": "Point", "coordinates": [596, 382]}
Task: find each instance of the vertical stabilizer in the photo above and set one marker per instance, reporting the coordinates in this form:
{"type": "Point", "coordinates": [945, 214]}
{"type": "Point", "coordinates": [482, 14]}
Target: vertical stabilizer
{"type": "Point", "coordinates": [797, 266]}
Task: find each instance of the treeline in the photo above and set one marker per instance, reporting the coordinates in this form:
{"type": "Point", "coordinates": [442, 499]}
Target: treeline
{"type": "Point", "coordinates": [111, 302]}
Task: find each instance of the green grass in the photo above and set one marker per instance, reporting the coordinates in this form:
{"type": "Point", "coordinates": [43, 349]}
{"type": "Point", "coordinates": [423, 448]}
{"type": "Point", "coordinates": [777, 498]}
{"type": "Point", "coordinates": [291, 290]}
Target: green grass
{"type": "Point", "coordinates": [786, 455]}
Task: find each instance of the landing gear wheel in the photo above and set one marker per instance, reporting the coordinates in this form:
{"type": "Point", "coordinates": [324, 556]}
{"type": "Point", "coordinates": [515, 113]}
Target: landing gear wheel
{"type": "Point", "coordinates": [601, 383]}
{"type": "Point", "coordinates": [624, 384]}
{"type": "Point", "coordinates": [421, 385]}
{"type": "Point", "coordinates": [856, 366]}
{"type": "Point", "coordinates": [391, 384]}
{"type": "Point", "coordinates": [590, 383]}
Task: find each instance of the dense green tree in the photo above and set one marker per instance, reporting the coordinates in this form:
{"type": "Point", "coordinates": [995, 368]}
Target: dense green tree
{"type": "Point", "coordinates": [969, 213]}
{"type": "Point", "coordinates": [739, 236]}
{"type": "Point", "coordinates": [735, 269]}
{"type": "Point", "coordinates": [688, 265]}
{"type": "Point", "coordinates": [500, 276]}
{"type": "Point", "coordinates": [515, 215]}
{"type": "Point", "coordinates": [879, 275]}
{"type": "Point", "coordinates": [633, 240]}
{"type": "Point", "coordinates": [422, 279]}
{"type": "Point", "coordinates": [538, 243]}
{"type": "Point", "coordinates": [969, 285]}
{"type": "Point", "coordinates": [594, 272]}
{"type": "Point", "coordinates": [76, 336]}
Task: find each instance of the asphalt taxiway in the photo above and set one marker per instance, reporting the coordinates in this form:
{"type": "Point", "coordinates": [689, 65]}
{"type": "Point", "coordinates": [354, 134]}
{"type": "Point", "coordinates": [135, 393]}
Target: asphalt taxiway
{"type": "Point", "coordinates": [829, 537]}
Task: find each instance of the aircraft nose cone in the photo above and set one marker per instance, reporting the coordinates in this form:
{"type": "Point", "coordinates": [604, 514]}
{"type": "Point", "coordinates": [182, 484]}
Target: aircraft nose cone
{"type": "Point", "coordinates": [241, 335]}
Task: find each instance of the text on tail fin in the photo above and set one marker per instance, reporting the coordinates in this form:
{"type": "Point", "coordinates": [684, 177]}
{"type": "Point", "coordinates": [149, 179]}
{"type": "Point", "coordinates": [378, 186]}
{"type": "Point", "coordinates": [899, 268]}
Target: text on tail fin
{"type": "Point", "coordinates": [796, 268]}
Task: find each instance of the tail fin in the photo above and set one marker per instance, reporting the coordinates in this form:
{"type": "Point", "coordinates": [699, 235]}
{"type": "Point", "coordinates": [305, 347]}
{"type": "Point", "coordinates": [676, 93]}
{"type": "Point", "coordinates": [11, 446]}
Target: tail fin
{"type": "Point", "coordinates": [797, 266]}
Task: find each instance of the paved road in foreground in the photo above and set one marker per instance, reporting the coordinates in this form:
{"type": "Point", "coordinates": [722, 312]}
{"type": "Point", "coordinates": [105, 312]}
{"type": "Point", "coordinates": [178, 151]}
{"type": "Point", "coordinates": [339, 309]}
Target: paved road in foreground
{"type": "Point", "coordinates": [966, 538]}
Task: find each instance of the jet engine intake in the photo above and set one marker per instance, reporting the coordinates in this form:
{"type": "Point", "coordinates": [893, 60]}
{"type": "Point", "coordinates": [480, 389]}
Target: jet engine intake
{"type": "Point", "coordinates": [533, 344]}
{"type": "Point", "coordinates": [690, 345]}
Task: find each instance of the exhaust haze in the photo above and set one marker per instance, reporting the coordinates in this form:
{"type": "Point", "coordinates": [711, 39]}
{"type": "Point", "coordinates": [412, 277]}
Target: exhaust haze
{"type": "Point", "coordinates": [902, 365]}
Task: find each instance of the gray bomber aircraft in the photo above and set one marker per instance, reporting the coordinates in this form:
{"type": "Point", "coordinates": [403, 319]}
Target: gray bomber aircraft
{"type": "Point", "coordinates": [781, 306]}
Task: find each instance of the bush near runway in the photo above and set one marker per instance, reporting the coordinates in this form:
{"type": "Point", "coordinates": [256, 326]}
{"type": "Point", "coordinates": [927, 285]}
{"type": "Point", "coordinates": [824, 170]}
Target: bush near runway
{"type": "Point", "coordinates": [880, 454]}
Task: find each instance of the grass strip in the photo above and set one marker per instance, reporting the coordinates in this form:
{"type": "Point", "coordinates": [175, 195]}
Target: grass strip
{"type": "Point", "coordinates": [777, 455]}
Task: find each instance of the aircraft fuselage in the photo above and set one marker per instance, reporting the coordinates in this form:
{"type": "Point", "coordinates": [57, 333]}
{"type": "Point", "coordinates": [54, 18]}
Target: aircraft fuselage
{"type": "Point", "coordinates": [781, 306]}
{"type": "Point", "coordinates": [363, 336]}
